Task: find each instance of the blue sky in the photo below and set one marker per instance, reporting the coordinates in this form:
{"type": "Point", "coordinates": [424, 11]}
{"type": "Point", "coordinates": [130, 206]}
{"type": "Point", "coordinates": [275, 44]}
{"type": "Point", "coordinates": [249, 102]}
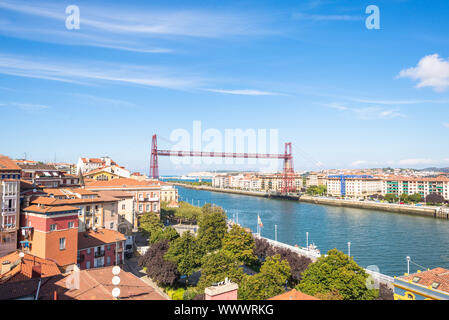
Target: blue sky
{"type": "Point", "coordinates": [344, 95]}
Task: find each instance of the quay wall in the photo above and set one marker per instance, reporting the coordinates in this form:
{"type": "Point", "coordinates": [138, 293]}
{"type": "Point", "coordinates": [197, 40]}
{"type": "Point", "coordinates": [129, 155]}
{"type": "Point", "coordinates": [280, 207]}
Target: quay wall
{"type": "Point", "coordinates": [427, 211]}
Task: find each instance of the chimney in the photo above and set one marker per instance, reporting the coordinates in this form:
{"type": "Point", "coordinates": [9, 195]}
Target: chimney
{"type": "Point", "coordinates": [6, 267]}
{"type": "Point", "coordinates": [36, 271]}
{"type": "Point", "coordinates": [225, 290]}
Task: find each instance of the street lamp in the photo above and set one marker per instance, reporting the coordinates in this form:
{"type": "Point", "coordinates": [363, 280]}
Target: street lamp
{"type": "Point", "coordinates": [275, 232]}
{"type": "Point", "coordinates": [408, 264]}
{"type": "Point", "coordinates": [307, 240]}
{"type": "Point", "coordinates": [349, 249]}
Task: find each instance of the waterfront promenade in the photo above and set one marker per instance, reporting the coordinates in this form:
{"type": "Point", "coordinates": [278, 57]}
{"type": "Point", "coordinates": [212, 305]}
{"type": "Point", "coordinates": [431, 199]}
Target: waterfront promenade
{"type": "Point", "coordinates": [427, 211]}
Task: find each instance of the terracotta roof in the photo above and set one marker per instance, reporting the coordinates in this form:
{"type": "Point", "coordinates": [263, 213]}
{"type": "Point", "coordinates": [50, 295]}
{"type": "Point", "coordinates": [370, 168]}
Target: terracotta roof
{"type": "Point", "coordinates": [95, 284]}
{"type": "Point", "coordinates": [116, 194]}
{"type": "Point", "coordinates": [89, 239]}
{"type": "Point", "coordinates": [6, 164]}
{"type": "Point", "coordinates": [23, 268]}
{"type": "Point", "coordinates": [121, 183]}
{"type": "Point", "coordinates": [438, 276]}
{"type": "Point", "coordinates": [60, 202]}
{"type": "Point", "coordinates": [37, 166]}
{"type": "Point", "coordinates": [293, 295]}
{"type": "Point", "coordinates": [49, 209]}
{"type": "Point", "coordinates": [54, 191]}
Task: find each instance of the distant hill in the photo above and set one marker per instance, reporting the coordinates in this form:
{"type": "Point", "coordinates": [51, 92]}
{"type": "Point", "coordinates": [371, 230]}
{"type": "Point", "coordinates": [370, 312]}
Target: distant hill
{"type": "Point", "coordinates": [436, 169]}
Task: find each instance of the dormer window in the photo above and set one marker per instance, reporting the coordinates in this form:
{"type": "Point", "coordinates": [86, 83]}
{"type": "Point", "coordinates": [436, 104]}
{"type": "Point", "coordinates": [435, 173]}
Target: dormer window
{"type": "Point", "coordinates": [435, 285]}
{"type": "Point", "coordinates": [416, 279]}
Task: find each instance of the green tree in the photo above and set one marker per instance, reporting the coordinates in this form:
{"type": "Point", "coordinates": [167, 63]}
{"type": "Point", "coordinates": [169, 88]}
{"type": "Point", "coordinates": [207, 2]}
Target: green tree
{"type": "Point", "coordinates": [317, 190]}
{"type": "Point", "coordinates": [239, 244]}
{"type": "Point", "coordinates": [149, 222]}
{"type": "Point", "coordinates": [391, 197]}
{"type": "Point", "coordinates": [336, 274]}
{"type": "Point", "coordinates": [218, 266]}
{"type": "Point", "coordinates": [168, 233]}
{"type": "Point", "coordinates": [404, 198]}
{"type": "Point", "coordinates": [416, 197]}
{"type": "Point", "coordinates": [269, 282]}
{"type": "Point", "coordinates": [212, 228]}
{"type": "Point", "coordinates": [184, 252]}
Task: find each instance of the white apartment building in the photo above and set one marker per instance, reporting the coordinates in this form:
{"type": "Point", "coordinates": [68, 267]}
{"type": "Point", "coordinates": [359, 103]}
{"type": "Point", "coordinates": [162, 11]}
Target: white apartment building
{"type": "Point", "coordinates": [410, 185]}
{"type": "Point", "coordinates": [221, 181]}
{"type": "Point", "coordinates": [316, 179]}
{"type": "Point", "coordinates": [88, 164]}
{"type": "Point", "coordinates": [354, 186]}
{"type": "Point", "coordinates": [9, 204]}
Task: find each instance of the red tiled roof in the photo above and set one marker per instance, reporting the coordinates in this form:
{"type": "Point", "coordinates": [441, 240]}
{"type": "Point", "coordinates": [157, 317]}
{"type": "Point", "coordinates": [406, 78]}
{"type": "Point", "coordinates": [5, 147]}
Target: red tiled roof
{"type": "Point", "coordinates": [59, 202]}
{"type": "Point", "coordinates": [293, 295]}
{"type": "Point", "coordinates": [24, 268]}
{"type": "Point", "coordinates": [49, 209]}
{"type": "Point", "coordinates": [427, 278]}
{"type": "Point", "coordinates": [6, 164]}
{"type": "Point", "coordinates": [89, 239]}
{"type": "Point", "coordinates": [120, 182]}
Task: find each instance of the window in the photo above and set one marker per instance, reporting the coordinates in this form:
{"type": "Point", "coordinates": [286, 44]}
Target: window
{"type": "Point", "coordinates": [71, 224]}
{"type": "Point", "coordinates": [123, 207]}
{"type": "Point", "coordinates": [52, 227]}
{"type": "Point", "coordinates": [88, 251]}
{"type": "Point", "coordinates": [61, 243]}
{"type": "Point", "coordinates": [88, 265]}
{"type": "Point", "coordinates": [108, 260]}
{"type": "Point", "coordinates": [112, 225]}
{"type": "Point", "coordinates": [435, 285]}
{"type": "Point", "coordinates": [108, 247]}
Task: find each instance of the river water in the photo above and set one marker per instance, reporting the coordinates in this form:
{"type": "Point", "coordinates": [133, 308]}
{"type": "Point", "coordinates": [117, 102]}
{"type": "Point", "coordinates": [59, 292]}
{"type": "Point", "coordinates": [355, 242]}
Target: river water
{"type": "Point", "coordinates": [379, 238]}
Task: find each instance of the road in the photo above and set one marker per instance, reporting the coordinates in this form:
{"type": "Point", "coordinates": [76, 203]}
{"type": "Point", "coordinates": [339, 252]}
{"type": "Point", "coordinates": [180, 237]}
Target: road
{"type": "Point", "coordinates": [132, 266]}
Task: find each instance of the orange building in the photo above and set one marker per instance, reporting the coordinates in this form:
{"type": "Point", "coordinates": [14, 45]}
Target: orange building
{"type": "Point", "coordinates": [51, 232]}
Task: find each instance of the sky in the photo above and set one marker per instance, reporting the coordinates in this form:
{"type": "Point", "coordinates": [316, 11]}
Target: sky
{"type": "Point", "coordinates": [346, 96]}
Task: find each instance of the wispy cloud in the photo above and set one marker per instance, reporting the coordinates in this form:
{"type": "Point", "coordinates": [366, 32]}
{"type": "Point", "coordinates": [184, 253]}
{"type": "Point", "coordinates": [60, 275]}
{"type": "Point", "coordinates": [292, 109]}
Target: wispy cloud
{"type": "Point", "coordinates": [367, 113]}
{"type": "Point", "coordinates": [25, 106]}
{"type": "Point", "coordinates": [121, 28]}
{"type": "Point", "coordinates": [431, 71]}
{"type": "Point", "coordinates": [446, 124]}
{"type": "Point", "coordinates": [412, 162]}
{"type": "Point", "coordinates": [93, 72]}
{"type": "Point", "coordinates": [101, 101]}
{"type": "Point", "coordinates": [246, 92]}
{"type": "Point", "coordinates": [320, 17]}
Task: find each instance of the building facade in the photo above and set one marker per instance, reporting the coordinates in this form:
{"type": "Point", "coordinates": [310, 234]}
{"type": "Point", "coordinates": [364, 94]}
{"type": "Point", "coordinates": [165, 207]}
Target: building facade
{"type": "Point", "coordinates": [50, 232]}
{"type": "Point", "coordinates": [356, 186]}
{"type": "Point", "coordinates": [410, 185]}
{"type": "Point", "coordinates": [100, 248]}
{"type": "Point", "coordinates": [10, 174]}
{"type": "Point", "coordinates": [88, 164]}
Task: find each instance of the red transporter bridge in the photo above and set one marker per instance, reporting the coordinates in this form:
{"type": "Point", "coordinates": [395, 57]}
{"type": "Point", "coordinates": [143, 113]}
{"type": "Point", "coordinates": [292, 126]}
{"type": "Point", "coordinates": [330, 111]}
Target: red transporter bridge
{"type": "Point", "coordinates": [288, 175]}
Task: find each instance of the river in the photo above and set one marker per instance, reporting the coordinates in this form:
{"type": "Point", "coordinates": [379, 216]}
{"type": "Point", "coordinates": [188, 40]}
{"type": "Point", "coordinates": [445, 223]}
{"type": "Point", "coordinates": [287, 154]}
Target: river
{"type": "Point", "coordinates": [379, 238]}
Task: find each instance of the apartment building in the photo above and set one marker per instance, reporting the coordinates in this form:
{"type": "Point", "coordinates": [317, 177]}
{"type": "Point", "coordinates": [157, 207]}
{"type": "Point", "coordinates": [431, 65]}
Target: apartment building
{"type": "Point", "coordinates": [100, 248]}
{"type": "Point", "coordinates": [221, 181]}
{"type": "Point", "coordinates": [316, 179]}
{"type": "Point", "coordinates": [10, 174]}
{"type": "Point", "coordinates": [41, 174]}
{"type": "Point", "coordinates": [88, 164]}
{"type": "Point", "coordinates": [168, 193]}
{"type": "Point", "coordinates": [357, 186]}
{"type": "Point", "coordinates": [146, 193]}
{"type": "Point", "coordinates": [274, 182]}
{"type": "Point", "coordinates": [98, 212]}
{"type": "Point", "coordinates": [107, 173]}
{"type": "Point", "coordinates": [410, 185]}
{"type": "Point", "coordinates": [127, 220]}
{"type": "Point", "coordinates": [50, 232]}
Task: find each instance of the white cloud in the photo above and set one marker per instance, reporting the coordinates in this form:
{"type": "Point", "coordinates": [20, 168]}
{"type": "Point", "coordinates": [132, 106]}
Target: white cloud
{"type": "Point", "coordinates": [92, 72]}
{"type": "Point", "coordinates": [245, 92]}
{"type": "Point", "coordinates": [25, 106]}
{"type": "Point", "coordinates": [431, 71]}
{"type": "Point", "coordinates": [319, 17]}
{"type": "Point", "coordinates": [367, 113]}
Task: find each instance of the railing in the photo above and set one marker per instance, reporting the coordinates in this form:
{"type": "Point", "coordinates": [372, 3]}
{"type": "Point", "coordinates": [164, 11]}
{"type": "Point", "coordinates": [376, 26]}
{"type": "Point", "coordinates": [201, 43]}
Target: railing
{"type": "Point", "coordinates": [99, 254]}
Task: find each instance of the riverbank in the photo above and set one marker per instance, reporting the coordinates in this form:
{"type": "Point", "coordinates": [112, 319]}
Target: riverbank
{"type": "Point", "coordinates": [426, 211]}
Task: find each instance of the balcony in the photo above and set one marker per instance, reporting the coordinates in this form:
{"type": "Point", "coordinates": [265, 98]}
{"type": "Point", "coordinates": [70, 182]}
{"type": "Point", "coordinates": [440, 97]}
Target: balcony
{"type": "Point", "coordinates": [99, 254]}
